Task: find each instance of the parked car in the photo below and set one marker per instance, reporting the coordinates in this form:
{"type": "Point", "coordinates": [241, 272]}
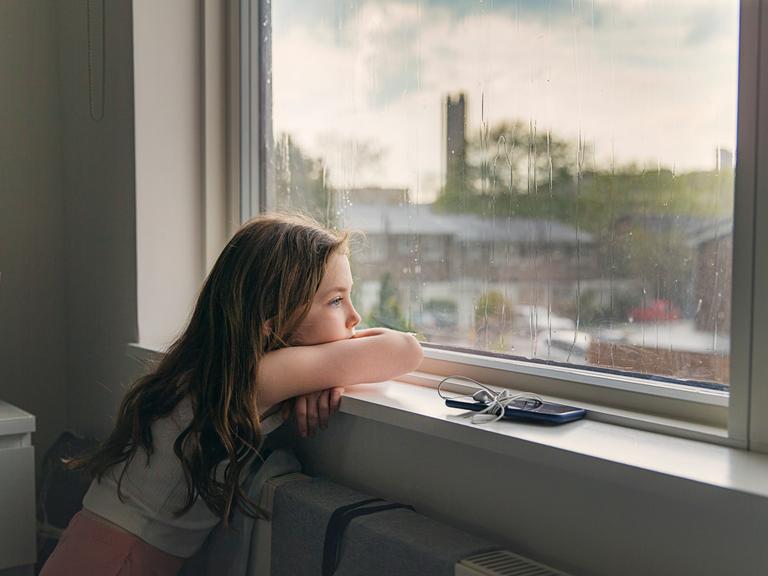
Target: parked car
{"type": "Point", "coordinates": [657, 310]}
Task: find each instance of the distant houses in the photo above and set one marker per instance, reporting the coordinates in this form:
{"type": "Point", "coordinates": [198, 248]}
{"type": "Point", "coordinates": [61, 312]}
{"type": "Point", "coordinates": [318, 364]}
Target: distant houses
{"type": "Point", "coordinates": [713, 247]}
{"type": "Point", "coordinates": [410, 238]}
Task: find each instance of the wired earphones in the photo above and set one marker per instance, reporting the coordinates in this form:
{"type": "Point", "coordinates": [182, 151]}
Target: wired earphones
{"type": "Point", "coordinates": [497, 401]}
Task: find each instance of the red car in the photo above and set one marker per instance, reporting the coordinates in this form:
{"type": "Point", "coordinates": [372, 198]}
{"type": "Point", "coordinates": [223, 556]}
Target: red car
{"type": "Point", "coordinates": [657, 310]}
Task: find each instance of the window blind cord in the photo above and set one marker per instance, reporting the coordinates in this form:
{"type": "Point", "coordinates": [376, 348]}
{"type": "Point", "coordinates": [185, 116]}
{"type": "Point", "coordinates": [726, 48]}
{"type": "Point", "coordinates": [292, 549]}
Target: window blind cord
{"type": "Point", "coordinates": [496, 400]}
{"type": "Point", "coordinates": [96, 26]}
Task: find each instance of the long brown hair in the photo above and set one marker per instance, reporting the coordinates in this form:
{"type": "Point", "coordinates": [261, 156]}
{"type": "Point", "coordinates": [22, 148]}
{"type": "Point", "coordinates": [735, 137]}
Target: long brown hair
{"type": "Point", "coordinates": [254, 298]}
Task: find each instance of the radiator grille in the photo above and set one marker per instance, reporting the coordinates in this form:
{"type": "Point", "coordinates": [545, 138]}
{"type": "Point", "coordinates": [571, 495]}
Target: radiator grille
{"type": "Point", "coordinates": [503, 563]}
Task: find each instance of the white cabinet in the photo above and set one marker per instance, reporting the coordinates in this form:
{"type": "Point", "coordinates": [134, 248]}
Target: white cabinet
{"type": "Point", "coordinates": [17, 491]}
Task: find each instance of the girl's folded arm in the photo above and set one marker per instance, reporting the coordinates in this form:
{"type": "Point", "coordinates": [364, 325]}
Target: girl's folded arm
{"type": "Point", "coordinates": [299, 370]}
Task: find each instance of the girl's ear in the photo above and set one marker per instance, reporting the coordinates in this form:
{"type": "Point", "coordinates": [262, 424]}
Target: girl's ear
{"type": "Point", "coordinates": [266, 330]}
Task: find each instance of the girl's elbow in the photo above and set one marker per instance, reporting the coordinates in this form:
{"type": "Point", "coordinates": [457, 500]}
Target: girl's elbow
{"type": "Point", "coordinates": [414, 354]}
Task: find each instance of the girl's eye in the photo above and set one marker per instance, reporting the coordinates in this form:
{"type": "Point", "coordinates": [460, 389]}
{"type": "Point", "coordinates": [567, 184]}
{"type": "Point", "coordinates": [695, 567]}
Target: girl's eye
{"type": "Point", "coordinates": [337, 301]}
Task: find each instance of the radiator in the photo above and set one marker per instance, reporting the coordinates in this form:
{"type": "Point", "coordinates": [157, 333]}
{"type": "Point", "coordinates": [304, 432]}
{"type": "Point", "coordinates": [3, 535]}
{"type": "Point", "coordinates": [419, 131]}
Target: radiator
{"type": "Point", "coordinates": [495, 563]}
{"type": "Point", "coordinates": [502, 563]}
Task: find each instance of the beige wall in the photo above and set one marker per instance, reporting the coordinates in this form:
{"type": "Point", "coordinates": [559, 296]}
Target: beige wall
{"type": "Point", "coordinates": [74, 217]}
{"type": "Point", "coordinates": [33, 291]}
{"type": "Point", "coordinates": [67, 217]}
{"type": "Point", "coordinates": [169, 164]}
{"type": "Point", "coordinates": [99, 211]}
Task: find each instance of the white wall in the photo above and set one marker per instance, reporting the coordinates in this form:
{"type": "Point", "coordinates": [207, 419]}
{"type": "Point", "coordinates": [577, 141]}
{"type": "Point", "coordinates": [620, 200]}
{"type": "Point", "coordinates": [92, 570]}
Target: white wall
{"type": "Point", "coordinates": [169, 164]}
{"type": "Point", "coordinates": [33, 291]}
{"type": "Point", "coordinates": [593, 519]}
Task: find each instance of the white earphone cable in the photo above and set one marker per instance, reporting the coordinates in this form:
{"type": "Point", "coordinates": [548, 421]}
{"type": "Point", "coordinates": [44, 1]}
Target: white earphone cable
{"type": "Point", "coordinates": [496, 400]}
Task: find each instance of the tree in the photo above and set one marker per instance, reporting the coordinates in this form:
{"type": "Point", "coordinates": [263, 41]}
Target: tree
{"type": "Point", "coordinates": [663, 265]}
{"type": "Point", "coordinates": [493, 313]}
{"type": "Point", "coordinates": [300, 182]}
{"type": "Point", "coordinates": [510, 158]}
{"type": "Point", "coordinates": [387, 312]}
{"type": "Point", "coordinates": [514, 169]}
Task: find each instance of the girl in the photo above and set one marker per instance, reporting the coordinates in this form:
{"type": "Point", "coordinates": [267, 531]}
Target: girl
{"type": "Point", "coordinates": [273, 321]}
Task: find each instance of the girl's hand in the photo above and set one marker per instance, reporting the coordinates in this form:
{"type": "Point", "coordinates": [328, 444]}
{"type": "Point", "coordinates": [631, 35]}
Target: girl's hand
{"type": "Point", "coordinates": [313, 409]}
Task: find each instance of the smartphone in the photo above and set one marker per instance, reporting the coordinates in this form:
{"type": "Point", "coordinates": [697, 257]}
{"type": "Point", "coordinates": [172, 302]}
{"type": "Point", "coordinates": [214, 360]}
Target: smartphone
{"type": "Point", "coordinates": [528, 410]}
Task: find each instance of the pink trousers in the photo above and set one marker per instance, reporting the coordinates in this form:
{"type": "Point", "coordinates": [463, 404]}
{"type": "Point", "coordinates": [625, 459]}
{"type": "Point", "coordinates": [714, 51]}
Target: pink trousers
{"type": "Point", "coordinates": [89, 547]}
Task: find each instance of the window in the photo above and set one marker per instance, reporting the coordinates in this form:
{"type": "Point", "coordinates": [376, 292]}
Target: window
{"type": "Point", "coordinates": [552, 183]}
{"type": "Point", "coordinates": [376, 249]}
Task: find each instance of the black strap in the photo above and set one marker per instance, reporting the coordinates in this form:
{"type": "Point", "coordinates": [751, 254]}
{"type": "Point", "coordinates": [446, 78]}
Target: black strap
{"type": "Point", "coordinates": [329, 563]}
{"type": "Point", "coordinates": [337, 524]}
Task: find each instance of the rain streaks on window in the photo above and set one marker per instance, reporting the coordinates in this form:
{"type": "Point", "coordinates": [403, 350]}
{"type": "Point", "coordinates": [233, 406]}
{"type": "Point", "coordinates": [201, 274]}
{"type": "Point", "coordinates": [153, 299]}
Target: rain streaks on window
{"type": "Point", "coordinates": [543, 179]}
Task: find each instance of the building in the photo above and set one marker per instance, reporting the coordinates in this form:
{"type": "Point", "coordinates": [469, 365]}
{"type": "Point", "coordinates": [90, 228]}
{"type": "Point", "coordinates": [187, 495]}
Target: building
{"type": "Point", "coordinates": [455, 139]}
{"type": "Point", "coordinates": [441, 247]}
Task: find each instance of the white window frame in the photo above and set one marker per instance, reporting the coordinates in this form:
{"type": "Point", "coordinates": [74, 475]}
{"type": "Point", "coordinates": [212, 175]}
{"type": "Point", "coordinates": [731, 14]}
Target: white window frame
{"type": "Point", "coordinates": [744, 412]}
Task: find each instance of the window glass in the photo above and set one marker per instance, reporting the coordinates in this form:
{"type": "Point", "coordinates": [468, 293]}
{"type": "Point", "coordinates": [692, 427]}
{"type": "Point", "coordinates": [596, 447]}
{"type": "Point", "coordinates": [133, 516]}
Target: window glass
{"type": "Point", "coordinates": [544, 179]}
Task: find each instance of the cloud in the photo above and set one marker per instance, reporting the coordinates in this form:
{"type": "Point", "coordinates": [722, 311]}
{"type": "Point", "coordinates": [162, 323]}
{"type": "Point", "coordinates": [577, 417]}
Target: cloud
{"type": "Point", "coordinates": [644, 81]}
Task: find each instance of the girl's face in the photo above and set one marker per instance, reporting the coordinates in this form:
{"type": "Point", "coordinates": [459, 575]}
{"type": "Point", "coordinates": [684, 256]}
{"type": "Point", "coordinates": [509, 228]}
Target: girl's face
{"type": "Point", "coordinates": [332, 316]}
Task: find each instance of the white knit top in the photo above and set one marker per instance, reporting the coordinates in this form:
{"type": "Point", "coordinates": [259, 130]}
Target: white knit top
{"type": "Point", "coordinates": [152, 494]}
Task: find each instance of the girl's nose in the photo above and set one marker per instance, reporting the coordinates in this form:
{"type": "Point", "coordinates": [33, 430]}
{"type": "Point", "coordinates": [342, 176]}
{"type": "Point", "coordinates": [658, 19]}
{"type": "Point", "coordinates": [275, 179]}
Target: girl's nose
{"type": "Point", "coordinates": [354, 318]}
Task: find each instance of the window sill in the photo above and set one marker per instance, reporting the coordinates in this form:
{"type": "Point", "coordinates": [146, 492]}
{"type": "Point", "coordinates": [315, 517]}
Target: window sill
{"type": "Point", "coordinates": [622, 417]}
{"type": "Point", "coordinates": [419, 409]}
{"type": "Point", "coordinates": [658, 406]}
{"type": "Point", "coordinates": [637, 442]}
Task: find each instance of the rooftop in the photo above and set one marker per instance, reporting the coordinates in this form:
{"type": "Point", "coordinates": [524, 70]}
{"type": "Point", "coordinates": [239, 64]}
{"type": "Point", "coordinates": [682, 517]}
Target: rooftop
{"type": "Point", "coordinates": [422, 219]}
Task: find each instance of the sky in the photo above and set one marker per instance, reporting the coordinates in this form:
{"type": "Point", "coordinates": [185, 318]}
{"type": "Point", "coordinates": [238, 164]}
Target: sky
{"type": "Point", "coordinates": [361, 83]}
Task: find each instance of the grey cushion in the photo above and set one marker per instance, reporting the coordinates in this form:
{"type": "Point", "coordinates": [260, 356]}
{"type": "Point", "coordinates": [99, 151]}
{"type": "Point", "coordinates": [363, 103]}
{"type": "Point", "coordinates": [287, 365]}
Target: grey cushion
{"type": "Point", "coordinates": [397, 541]}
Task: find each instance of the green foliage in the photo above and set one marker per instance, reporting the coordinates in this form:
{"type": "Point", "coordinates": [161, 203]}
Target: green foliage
{"type": "Point", "coordinates": [441, 305]}
{"type": "Point", "coordinates": [387, 312]}
{"type": "Point", "coordinates": [300, 182]}
{"type": "Point", "coordinates": [598, 200]}
{"type": "Point", "coordinates": [513, 170]}
{"type": "Point", "coordinates": [491, 307]}
{"type": "Point", "coordinates": [443, 310]}
{"type": "Point", "coordinates": [663, 263]}
{"type": "Point", "coordinates": [493, 313]}
{"type": "Point", "coordinates": [594, 311]}
{"type": "Point", "coordinates": [514, 157]}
